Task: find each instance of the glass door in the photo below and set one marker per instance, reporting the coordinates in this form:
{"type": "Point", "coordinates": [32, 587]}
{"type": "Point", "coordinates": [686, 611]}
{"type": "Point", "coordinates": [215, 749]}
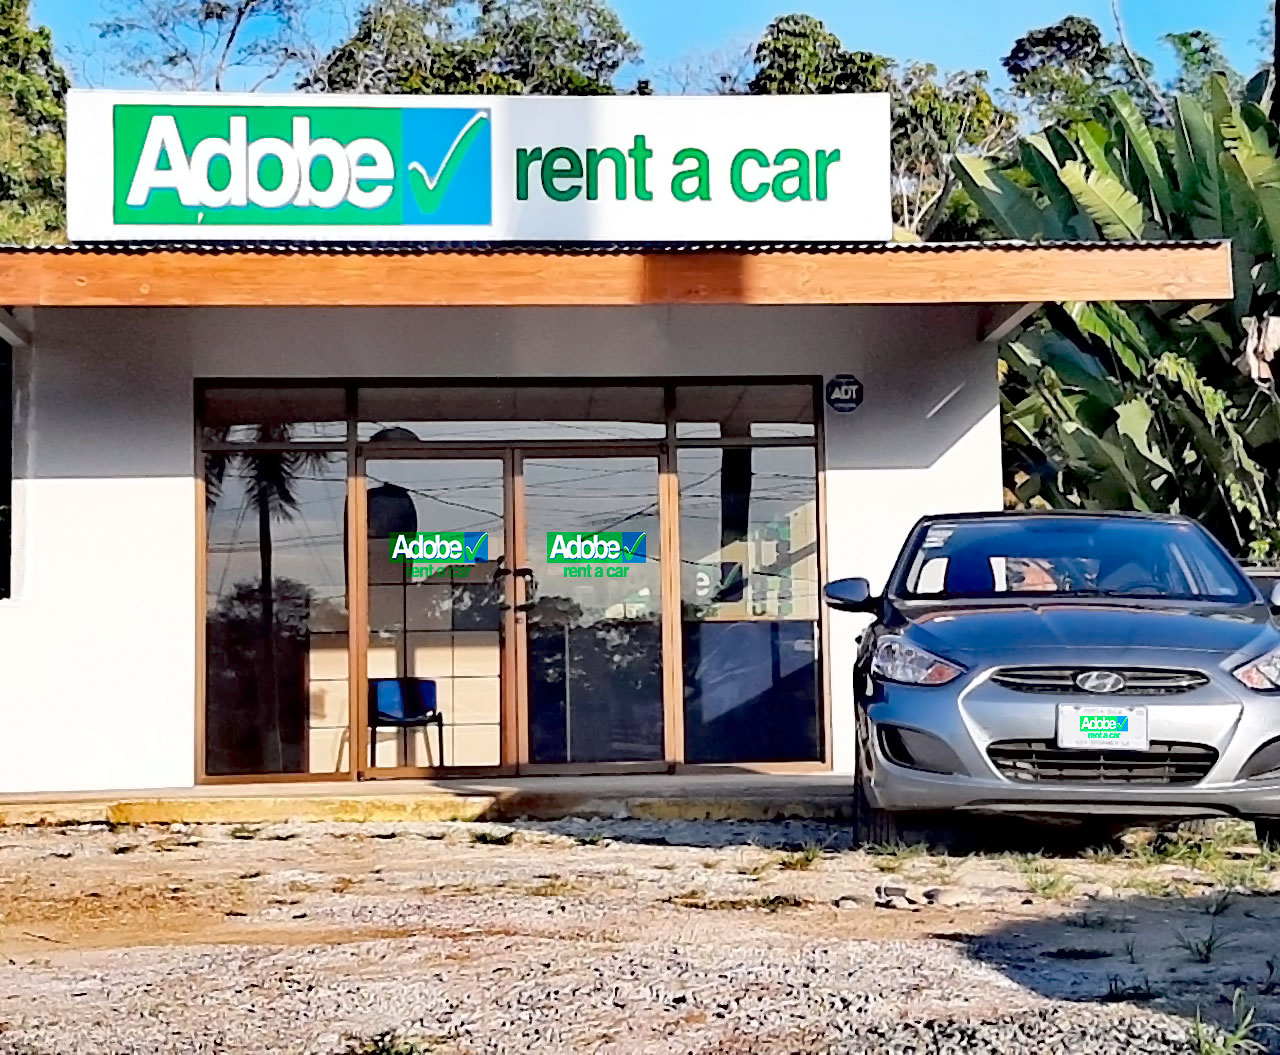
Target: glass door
{"type": "Point", "coordinates": [590, 593]}
{"type": "Point", "coordinates": [439, 614]}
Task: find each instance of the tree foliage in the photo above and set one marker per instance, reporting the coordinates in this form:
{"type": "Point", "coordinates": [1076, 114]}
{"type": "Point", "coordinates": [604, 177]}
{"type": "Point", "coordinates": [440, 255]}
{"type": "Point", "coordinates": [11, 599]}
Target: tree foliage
{"type": "Point", "coordinates": [798, 55]}
{"type": "Point", "coordinates": [1149, 406]}
{"type": "Point", "coordinates": [32, 130]}
{"type": "Point", "coordinates": [545, 47]}
{"type": "Point", "coordinates": [202, 45]}
{"type": "Point", "coordinates": [1060, 73]}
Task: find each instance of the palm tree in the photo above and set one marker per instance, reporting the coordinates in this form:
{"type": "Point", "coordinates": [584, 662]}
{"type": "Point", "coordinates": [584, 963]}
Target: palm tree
{"type": "Point", "coordinates": [270, 477]}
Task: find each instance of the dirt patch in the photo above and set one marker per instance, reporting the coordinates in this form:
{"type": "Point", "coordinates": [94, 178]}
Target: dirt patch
{"type": "Point", "coordinates": [659, 936]}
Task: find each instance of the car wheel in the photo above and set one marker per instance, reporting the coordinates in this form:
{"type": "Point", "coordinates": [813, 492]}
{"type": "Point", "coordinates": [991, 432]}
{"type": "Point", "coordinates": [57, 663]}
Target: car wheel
{"type": "Point", "coordinates": [872, 826]}
{"type": "Point", "coordinates": [1268, 831]}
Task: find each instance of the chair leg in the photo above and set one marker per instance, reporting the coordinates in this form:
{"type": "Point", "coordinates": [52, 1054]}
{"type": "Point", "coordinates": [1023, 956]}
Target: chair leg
{"type": "Point", "coordinates": [440, 738]}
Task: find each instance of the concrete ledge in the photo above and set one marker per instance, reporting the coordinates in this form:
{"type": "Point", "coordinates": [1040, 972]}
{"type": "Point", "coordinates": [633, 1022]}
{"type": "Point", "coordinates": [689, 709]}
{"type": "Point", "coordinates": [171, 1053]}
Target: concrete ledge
{"type": "Point", "coordinates": [768, 800]}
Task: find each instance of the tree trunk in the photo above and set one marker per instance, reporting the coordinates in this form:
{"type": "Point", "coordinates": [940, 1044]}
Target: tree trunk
{"type": "Point", "coordinates": [268, 683]}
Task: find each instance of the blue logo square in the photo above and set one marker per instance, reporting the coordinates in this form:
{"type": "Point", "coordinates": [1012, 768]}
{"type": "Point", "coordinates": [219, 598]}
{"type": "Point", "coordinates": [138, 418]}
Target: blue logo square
{"type": "Point", "coordinates": [633, 547]}
{"type": "Point", "coordinates": [447, 166]}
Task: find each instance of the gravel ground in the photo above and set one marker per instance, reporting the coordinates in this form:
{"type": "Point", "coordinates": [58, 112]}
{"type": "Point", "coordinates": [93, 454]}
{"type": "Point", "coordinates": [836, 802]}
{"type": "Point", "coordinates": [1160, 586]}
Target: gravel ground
{"type": "Point", "coordinates": [609, 937]}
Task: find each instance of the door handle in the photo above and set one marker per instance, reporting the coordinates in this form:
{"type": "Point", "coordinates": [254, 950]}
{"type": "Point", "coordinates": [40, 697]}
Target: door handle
{"type": "Point", "coordinates": [532, 588]}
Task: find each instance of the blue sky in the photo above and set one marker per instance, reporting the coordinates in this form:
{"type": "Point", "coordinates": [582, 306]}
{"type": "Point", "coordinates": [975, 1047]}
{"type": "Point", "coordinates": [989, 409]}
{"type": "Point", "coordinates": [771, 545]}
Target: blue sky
{"type": "Point", "coordinates": [950, 34]}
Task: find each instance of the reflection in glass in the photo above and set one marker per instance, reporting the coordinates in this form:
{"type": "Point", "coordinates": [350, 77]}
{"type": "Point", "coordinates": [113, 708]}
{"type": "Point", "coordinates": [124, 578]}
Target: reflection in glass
{"type": "Point", "coordinates": [749, 611]}
{"type": "Point", "coordinates": [441, 634]}
{"type": "Point", "coordinates": [738, 411]}
{"type": "Point", "coordinates": [273, 415]}
{"type": "Point", "coordinates": [595, 641]}
{"type": "Point", "coordinates": [532, 412]}
{"type": "Point", "coordinates": [276, 696]}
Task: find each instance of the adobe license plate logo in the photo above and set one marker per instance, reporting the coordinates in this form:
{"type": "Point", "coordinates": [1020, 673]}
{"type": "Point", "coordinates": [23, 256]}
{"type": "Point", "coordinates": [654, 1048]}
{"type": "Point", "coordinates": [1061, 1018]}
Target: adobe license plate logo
{"type": "Point", "coordinates": [1104, 726]}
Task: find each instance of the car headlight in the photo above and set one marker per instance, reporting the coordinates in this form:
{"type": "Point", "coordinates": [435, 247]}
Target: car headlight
{"type": "Point", "coordinates": [895, 660]}
{"type": "Point", "coordinates": [1262, 674]}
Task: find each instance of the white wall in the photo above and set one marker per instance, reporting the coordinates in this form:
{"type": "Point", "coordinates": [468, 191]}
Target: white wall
{"type": "Point", "coordinates": [97, 664]}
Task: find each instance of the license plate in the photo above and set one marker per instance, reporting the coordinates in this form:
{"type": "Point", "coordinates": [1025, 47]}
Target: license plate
{"type": "Point", "coordinates": [1102, 728]}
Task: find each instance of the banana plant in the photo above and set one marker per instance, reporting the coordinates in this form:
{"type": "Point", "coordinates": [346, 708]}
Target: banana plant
{"type": "Point", "coordinates": [1142, 405]}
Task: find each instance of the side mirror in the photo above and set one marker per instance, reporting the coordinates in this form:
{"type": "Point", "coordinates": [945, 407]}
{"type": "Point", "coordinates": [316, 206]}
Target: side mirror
{"type": "Point", "coordinates": [850, 595]}
{"type": "Point", "coordinates": [1274, 600]}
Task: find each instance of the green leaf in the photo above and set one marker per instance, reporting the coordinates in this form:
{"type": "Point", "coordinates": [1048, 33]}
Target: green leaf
{"type": "Point", "coordinates": [1196, 161]}
{"type": "Point", "coordinates": [1039, 159]}
{"type": "Point", "coordinates": [1110, 323]}
{"type": "Point", "coordinates": [1144, 147]}
{"type": "Point", "coordinates": [1133, 420]}
{"type": "Point", "coordinates": [1259, 88]}
{"type": "Point", "coordinates": [1095, 143]}
{"type": "Point", "coordinates": [1011, 208]}
{"type": "Point", "coordinates": [1111, 205]}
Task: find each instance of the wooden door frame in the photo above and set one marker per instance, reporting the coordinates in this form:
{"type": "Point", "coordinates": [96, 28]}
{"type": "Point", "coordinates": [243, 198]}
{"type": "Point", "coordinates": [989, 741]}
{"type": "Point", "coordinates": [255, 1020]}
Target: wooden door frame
{"type": "Point", "coordinates": [358, 558]}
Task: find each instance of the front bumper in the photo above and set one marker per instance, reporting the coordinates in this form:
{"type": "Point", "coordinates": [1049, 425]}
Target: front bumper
{"type": "Point", "coordinates": [973, 713]}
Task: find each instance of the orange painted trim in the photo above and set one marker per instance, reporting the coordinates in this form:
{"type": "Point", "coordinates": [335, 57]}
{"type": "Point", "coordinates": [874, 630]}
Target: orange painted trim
{"type": "Point", "coordinates": [969, 274]}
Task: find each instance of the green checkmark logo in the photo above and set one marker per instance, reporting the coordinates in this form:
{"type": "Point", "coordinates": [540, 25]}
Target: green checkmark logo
{"type": "Point", "coordinates": [630, 550]}
{"type": "Point", "coordinates": [429, 191]}
{"type": "Point", "coordinates": [473, 550]}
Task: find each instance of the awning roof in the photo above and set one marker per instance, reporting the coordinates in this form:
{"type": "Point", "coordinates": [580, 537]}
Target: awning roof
{"type": "Point", "coordinates": [426, 273]}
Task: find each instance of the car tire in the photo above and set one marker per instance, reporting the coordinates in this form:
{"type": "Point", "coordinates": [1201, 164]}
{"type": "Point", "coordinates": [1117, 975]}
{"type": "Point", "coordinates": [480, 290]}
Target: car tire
{"type": "Point", "coordinates": [872, 826]}
{"type": "Point", "coordinates": [1268, 831]}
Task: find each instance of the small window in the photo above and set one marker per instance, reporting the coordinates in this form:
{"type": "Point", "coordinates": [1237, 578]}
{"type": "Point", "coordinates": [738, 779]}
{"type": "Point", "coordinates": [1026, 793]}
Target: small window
{"type": "Point", "coordinates": [274, 415]}
{"type": "Point", "coordinates": [744, 411]}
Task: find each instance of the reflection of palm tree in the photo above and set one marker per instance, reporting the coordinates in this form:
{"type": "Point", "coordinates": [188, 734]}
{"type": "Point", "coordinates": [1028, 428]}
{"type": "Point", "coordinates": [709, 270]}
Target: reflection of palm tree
{"type": "Point", "coordinates": [270, 477]}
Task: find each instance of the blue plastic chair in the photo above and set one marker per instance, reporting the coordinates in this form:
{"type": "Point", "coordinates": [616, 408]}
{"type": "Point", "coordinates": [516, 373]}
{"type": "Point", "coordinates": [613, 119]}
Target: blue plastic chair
{"type": "Point", "coordinates": [405, 703]}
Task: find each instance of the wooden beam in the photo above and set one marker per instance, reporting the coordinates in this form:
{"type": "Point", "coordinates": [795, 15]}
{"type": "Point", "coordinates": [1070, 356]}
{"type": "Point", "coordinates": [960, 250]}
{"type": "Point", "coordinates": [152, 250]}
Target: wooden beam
{"type": "Point", "coordinates": [967, 274]}
{"type": "Point", "coordinates": [12, 332]}
{"type": "Point", "coordinates": [1000, 320]}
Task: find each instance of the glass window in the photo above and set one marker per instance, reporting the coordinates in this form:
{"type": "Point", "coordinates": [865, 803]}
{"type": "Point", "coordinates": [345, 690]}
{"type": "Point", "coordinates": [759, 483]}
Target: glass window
{"type": "Point", "coordinates": [595, 626]}
{"type": "Point", "coordinates": [276, 690]}
{"type": "Point", "coordinates": [735, 411]}
{"type": "Point", "coordinates": [274, 415]}
{"type": "Point", "coordinates": [435, 628]}
{"type": "Point", "coordinates": [1077, 555]}
{"type": "Point", "coordinates": [749, 612]}
{"type": "Point", "coordinates": [576, 413]}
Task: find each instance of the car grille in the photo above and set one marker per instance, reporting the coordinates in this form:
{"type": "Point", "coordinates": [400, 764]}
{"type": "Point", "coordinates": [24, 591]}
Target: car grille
{"type": "Point", "coordinates": [1061, 681]}
{"type": "Point", "coordinates": [1042, 761]}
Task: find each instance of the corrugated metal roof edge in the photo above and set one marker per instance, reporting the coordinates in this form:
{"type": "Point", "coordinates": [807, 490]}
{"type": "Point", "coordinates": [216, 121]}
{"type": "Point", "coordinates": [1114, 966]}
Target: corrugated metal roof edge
{"type": "Point", "coordinates": [393, 248]}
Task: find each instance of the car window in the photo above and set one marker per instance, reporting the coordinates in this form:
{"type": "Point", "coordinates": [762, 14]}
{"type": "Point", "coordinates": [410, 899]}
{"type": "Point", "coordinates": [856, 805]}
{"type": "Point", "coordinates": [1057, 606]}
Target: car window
{"type": "Point", "coordinates": [1069, 555]}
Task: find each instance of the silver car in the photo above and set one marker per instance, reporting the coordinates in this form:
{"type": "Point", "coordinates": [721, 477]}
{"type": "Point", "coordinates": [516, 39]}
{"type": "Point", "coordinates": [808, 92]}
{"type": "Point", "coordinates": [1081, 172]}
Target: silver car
{"type": "Point", "coordinates": [1105, 667]}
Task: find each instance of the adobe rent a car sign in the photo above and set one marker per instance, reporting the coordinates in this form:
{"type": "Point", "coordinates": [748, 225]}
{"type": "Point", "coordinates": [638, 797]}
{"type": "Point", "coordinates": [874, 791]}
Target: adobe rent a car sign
{"type": "Point", "coordinates": [202, 166]}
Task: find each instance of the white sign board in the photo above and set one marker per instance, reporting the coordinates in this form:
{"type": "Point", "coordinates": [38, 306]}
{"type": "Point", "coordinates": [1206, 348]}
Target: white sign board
{"type": "Point", "coordinates": [206, 166]}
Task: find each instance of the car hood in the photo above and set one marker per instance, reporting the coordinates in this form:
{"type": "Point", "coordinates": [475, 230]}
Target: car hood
{"type": "Point", "coordinates": [963, 628]}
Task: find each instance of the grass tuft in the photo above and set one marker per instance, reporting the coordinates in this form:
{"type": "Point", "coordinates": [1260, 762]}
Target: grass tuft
{"type": "Point", "coordinates": [1240, 1041]}
{"type": "Point", "coordinates": [1044, 880]}
{"type": "Point", "coordinates": [891, 857]}
{"type": "Point", "coordinates": [770, 903]}
{"type": "Point", "coordinates": [389, 1044]}
{"type": "Point", "coordinates": [1203, 950]}
{"type": "Point", "coordinates": [803, 859]}
{"type": "Point", "coordinates": [1119, 991]}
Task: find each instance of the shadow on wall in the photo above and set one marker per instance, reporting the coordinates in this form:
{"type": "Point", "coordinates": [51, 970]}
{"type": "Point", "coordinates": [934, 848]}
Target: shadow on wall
{"type": "Point", "coordinates": [115, 384]}
{"type": "Point", "coordinates": [928, 383]}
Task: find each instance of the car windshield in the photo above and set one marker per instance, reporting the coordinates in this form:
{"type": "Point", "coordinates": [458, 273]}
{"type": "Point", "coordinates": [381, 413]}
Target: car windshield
{"type": "Point", "coordinates": [1073, 556]}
